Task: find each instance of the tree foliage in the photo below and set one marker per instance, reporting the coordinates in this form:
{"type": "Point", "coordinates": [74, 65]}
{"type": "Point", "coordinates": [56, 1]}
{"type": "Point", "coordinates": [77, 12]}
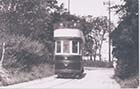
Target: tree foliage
{"type": "Point", "coordinates": [27, 28]}
{"type": "Point", "coordinates": [94, 30]}
{"type": "Point", "coordinates": [125, 39]}
{"type": "Point", "coordinates": [97, 35]}
{"type": "Point", "coordinates": [31, 18]}
{"type": "Point", "coordinates": [22, 52]}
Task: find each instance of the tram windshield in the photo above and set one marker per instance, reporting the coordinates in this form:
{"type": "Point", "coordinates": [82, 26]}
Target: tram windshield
{"type": "Point", "coordinates": [58, 47]}
{"type": "Point", "coordinates": [67, 47]}
{"type": "Point", "coordinates": [74, 46]}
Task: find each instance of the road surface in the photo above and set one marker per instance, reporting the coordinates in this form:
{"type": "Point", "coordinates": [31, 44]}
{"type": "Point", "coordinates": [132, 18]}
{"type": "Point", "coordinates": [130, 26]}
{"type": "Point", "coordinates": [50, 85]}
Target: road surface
{"type": "Point", "coordinates": [93, 78]}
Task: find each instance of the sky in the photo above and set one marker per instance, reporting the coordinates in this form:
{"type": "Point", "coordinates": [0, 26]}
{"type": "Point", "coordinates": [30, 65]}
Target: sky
{"type": "Point", "coordinates": [91, 7]}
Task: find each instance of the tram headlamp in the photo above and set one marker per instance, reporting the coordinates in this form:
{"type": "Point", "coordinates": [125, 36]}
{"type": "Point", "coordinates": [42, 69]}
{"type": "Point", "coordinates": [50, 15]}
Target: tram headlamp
{"type": "Point", "coordinates": [65, 64]}
{"type": "Point", "coordinates": [65, 58]}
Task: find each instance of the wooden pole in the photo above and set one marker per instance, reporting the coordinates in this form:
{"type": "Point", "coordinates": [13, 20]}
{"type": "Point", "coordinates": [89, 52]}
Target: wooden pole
{"type": "Point", "coordinates": [109, 33]}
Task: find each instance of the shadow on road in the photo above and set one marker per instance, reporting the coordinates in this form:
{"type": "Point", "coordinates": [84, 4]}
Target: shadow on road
{"type": "Point", "coordinates": [72, 77]}
{"type": "Point", "coordinates": [82, 76]}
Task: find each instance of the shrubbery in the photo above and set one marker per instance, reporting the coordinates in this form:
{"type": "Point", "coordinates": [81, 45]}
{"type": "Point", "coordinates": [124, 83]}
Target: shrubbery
{"type": "Point", "coordinates": [125, 42]}
{"type": "Point", "coordinates": [23, 52]}
{"type": "Point", "coordinates": [24, 59]}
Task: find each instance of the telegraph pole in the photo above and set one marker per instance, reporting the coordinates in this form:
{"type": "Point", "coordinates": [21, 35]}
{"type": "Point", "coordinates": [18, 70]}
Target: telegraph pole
{"type": "Point", "coordinates": [109, 29]}
{"type": "Point", "coordinates": [109, 12]}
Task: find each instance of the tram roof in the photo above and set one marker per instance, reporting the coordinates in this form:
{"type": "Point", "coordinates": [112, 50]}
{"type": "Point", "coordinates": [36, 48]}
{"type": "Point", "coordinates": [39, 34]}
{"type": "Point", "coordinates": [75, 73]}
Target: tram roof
{"type": "Point", "coordinates": [68, 33]}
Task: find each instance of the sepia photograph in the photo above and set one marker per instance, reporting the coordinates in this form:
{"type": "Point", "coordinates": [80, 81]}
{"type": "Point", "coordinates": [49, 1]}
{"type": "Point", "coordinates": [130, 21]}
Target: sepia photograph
{"type": "Point", "coordinates": [69, 44]}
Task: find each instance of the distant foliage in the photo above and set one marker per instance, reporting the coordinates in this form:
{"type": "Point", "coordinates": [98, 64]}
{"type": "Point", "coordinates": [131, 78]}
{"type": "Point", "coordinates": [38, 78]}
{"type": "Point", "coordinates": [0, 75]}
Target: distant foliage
{"type": "Point", "coordinates": [94, 29]}
{"type": "Point", "coordinates": [125, 40]}
{"type": "Point", "coordinates": [96, 35]}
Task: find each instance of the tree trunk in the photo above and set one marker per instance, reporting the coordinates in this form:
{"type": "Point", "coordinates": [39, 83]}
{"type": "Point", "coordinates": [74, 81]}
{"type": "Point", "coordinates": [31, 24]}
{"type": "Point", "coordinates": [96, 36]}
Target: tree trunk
{"type": "Point", "coordinates": [94, 57]}
{"type": "Point", "coordinates": [3, 52]}
{"type": "Point", "coordinates": [4, 74]}
{"type": "Point", "coordinates": [91, 57]}
{"type": "Point", "coordinates": [100, 48]}
{"type": "Point", "coordinates": [100, 56]}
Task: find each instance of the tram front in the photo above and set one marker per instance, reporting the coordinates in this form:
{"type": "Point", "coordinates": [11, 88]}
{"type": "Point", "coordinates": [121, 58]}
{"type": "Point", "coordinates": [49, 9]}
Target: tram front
{"type": "Point", "coordinates": [68, 52]}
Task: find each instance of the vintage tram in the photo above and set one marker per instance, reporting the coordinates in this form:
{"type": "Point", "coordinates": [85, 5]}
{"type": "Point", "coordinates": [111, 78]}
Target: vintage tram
{"type": "Point", "coordinates": [69, 43]}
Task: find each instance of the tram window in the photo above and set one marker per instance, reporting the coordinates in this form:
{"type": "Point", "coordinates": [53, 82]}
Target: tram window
{"type": "Point", "coordinates": [66, 46]}
{"type": "Point", "coordinates": [58, 47]}
{"type": "Point", "coordinates": [74, 46]}
{"type": "Point", "coordinates": [80, 49]}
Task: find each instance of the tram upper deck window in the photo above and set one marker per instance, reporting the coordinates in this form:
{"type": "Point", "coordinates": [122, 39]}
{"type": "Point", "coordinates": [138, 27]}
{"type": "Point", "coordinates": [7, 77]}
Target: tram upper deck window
{"type": "Point", "coordinates": [66, 46]}
{"type": "Point", "coordinates": [74, 46]}
{"type": "Point", "coordinates": [58, 48]}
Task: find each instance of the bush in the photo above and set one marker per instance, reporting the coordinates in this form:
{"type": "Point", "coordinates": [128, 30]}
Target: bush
{"type": "Point", "coordinates": [25, 59]}
{"type": "Point", "coordinates": [36, 72]}
{"type": "Point", "coordinates": [23, 52]}
{"type": "Point", "coordinates": [125, 40]}
{"type": "Point", "coordinates": [131, 82]}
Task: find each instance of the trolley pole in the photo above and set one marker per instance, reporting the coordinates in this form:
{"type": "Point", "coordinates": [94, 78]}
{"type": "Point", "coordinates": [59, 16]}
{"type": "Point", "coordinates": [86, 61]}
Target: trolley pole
{"type": "Point", "coordinates": [68, 6]}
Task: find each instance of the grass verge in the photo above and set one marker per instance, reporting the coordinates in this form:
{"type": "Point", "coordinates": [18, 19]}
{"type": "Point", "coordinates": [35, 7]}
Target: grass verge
{"type": "Point", "coordinates": [131, 82]}
{"type": "Point", "coordinates": [36, 72]}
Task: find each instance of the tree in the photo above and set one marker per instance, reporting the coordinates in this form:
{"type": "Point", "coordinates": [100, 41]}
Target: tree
{"type": "Point", "coordinates": [125, 39]}
{"type": "Point", "coordinates": [26, 27]}
{"type": "Point", "coordinates": [96, 36]}
{"type": "Point", "coordinates": [31, 18]}
{"type": "Point", "coordinates": [28, 17]}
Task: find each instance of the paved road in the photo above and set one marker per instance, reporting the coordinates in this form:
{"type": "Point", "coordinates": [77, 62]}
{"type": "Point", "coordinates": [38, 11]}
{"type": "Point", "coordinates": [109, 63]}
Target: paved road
{"type": "Point", "coordinates": [94, 78]}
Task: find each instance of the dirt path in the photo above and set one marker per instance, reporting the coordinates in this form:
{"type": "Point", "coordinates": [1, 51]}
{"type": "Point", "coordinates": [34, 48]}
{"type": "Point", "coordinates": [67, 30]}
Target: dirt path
{"type": "Point", "coordinates": [94, 78]}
